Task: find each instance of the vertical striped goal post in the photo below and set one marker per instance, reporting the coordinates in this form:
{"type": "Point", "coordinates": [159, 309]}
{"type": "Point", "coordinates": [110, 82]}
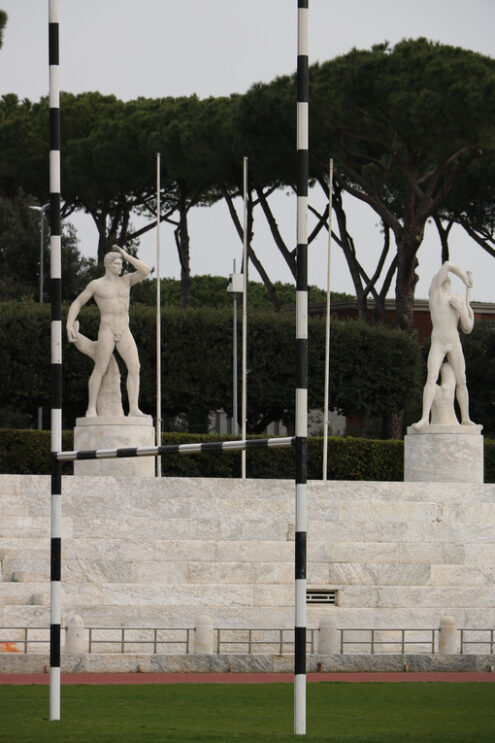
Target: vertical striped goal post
{"type": "Point", "coordinates": [300, 439]}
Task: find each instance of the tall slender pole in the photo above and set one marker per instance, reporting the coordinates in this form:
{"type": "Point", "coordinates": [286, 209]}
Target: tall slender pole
{"type": "Point", "coordinates": [244, 312]}
{"type": "Point", "coordinates": [327, 329]}
{"type": "Point", "coordinates": [41, 210]}
{"type": "Point", "coordinates": [235, 423]}
{"type": "Point", "coordinates": [158, 324]}
{"type": "Point", "coordinates": [56, 361]}
{"type": "Point", "coordinates": [42, 237]}
{"type": "Point", "coordinates": [42, 258]}
{"type": "Point", "coordinates": [301, 369]}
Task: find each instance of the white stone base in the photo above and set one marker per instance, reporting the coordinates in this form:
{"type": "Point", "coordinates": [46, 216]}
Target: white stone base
{"type": "Point", "coordinates": [443, 453]}
{"type": "Point", "coordinates": [114, 432]}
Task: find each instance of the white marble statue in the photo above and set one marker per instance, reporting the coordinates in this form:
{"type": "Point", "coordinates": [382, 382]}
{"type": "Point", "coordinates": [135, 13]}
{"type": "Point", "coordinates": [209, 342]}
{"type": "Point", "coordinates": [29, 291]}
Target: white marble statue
{"type": "Point", "coordinates": [109, 400]}
{"type": "Point", "coordinates": [111, 293]}
{"type": "Point", "coordinates": [442, 407]}
{"type": "Point", "coordinates": [447, 311]}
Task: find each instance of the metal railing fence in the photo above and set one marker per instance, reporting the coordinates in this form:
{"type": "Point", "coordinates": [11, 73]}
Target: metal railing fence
{"type": "Point", "coordinates": [397, 640]}
{"type": "Point", "coordinates": [153, 638]}
{"type": "Point", "coordinates": [250, 641]}
{"type": "Point", "coordinates": [477, 640]}
{"type": "Point", "coordinates": [9, 636]}
{"type": "Point", "coordinates": [253, 639]}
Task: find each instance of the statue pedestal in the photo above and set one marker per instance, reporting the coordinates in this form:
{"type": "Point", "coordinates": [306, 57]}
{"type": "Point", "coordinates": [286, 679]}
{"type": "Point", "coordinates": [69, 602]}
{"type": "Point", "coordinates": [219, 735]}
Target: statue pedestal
{"type": "Point", "coordinates": [114, 432]}
{"type": "Point", "coordinates": [443, 453]}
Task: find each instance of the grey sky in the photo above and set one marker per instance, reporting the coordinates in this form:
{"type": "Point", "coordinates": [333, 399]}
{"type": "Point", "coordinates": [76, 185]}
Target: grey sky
{"type": "Point", "coordinates": [155, 48]}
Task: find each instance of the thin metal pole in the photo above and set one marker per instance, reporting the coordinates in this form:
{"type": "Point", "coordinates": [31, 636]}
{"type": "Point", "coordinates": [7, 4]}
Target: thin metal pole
{"type": "Point", "coordinates": [327, 333]}
{"type": "Point", "coordinates": [42, 224]}
{"type": "Point", "coordinates": [41, 210]}
{"type": "Point", "coordinates": [56, 361]}
{"type": "Point", "coordinates": [244, 313]}
{"type": "Point", "coordinates": [158, 431]}
{"type": "Point", "coordinates": [235, 421]}
{"type": "Point", "coordinates": [301, 369]}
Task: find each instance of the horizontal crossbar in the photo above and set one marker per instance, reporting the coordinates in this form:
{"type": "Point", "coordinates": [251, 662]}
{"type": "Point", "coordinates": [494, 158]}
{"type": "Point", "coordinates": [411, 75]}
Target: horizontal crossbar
{"type": "Point", "coordinates": [155, 451]}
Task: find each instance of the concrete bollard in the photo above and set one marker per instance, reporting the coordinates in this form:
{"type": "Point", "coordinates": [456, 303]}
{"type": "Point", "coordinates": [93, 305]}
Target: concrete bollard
{"type": "Point", "coordinates": [447, 637]}
{"type": "Point", "coordinates": [203, 635]}
{"type": "Point", "coordinates": [75, 640]}
{"type": "Point", "coordinates": [328, 637]}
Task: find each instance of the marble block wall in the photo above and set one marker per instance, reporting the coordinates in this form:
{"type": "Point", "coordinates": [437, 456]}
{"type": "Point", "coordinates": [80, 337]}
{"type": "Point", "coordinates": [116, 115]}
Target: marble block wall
{"type": "Point", "coordinates": [146, 552]}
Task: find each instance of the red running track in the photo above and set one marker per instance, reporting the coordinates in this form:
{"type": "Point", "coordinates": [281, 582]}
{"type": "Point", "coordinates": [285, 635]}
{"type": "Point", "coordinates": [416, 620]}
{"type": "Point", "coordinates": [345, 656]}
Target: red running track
{"type": "Point", "coordinates": [27, 679]}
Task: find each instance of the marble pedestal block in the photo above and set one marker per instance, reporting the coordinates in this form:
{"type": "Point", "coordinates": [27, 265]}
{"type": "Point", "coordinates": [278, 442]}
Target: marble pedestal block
{"type": "Point", "coordinates": [114, 432]}
{"type": "Point", "coordinates": [444, 453]}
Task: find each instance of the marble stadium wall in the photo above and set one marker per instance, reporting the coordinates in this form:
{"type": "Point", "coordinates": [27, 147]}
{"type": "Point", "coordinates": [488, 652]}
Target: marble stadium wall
{"type": "Point", "coordinates": [147, 552]}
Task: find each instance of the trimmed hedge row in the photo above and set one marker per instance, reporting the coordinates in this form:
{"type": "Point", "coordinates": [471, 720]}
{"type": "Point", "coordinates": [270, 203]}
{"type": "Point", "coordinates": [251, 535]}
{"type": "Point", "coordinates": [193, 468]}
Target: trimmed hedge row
{"type": "Point", "coordinates": [28, 452]}
{"type": "Point", "coordinates": [375, 371]}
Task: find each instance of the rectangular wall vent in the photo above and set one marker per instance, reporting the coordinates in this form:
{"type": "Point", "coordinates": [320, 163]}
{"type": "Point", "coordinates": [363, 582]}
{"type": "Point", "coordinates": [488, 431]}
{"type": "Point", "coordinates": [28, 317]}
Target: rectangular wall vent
{"type": "Point", "coordinates": [321, 596]}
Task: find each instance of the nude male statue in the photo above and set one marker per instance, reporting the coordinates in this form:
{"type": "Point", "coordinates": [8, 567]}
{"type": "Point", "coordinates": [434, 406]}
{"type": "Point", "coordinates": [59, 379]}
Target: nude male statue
{"type": "Point", "coordinates": [447, 311]}
{"type": "Point", "coordinates": [111, 293]}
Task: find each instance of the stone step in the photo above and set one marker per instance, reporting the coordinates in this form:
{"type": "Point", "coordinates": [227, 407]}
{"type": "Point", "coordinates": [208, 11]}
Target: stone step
{"type": "Point", "coordinates": [168, 572]}
{"type": "Point", "coordinates": [154, 572]}
{"type": "Point", "coordinates": [13, 505]}
{"type": "Point", "coordinates": [164, 551]}
{"type": "Point", "coordinates": [13, 593]}
{"type": "Point", "coordinates": [208, 596]}
{"type": "Point", "coordinates": [31, 527]}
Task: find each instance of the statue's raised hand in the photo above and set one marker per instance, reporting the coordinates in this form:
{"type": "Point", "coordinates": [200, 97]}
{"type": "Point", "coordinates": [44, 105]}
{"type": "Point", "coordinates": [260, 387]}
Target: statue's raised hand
{"type": "Point", "coordinates": [456, 303]}
{"type": "Point", "coordinates": [122, 252]}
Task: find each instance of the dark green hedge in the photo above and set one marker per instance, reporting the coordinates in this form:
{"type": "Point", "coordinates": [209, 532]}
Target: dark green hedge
{"type": "Point", "coordinates": [28, 452]}
{"type": "Point", "coordinates": [373, 370]}
{"type": "Point", "coordinates": [489, 455]}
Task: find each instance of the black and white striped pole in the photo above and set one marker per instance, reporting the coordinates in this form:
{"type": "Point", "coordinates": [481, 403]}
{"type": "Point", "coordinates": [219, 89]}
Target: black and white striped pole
{"type": "Point", "coordinates": [156, 451]}
{"type": "Point", "coordinates": [56, 361]}
{"type": "Point", "coordinates": [301, 369]}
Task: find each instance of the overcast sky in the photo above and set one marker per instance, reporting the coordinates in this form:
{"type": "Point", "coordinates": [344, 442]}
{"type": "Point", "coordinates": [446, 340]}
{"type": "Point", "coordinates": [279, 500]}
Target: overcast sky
{"type": "Point", "coordinates": [156, 48]}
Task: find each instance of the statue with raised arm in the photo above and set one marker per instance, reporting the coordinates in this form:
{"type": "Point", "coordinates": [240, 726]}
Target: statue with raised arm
{"type": "Point", "coordinates": [111, 293]}
{"type": "Point", "coordinates": [448, 311]}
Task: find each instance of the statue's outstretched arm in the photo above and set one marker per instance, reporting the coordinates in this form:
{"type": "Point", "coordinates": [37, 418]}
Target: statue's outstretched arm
{"type": "Point", "coordinates": [142, 268]}
{"type": "Point", "coordinates": [464, 276]}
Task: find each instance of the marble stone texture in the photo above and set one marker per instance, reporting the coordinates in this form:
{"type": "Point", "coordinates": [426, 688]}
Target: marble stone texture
{"type": "Point", "coordinates": [145, 552]}
{"type": "Point", "coordinates": [443, 454]}
{"type": "Point", "coordinates": [115, 663]}
{"type": "Point", "coordinates": [114, 432]}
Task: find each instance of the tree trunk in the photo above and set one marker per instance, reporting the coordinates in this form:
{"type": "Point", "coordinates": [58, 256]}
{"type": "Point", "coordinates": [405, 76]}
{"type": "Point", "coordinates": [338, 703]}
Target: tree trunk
{"type": "Point", "coordinates": [407, 246]}
{"type": "Point", "coordinates": [182, 242]}
{"type": "Point", "coordinates": [443, 233]}
{"type": "Point", "coordinates": [406, 280]}
{"type": "Point", "coordinates": [392, 424]}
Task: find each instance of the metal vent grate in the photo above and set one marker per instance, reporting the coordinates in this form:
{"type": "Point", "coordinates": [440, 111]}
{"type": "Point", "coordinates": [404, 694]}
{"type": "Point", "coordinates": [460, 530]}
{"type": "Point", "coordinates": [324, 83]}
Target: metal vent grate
{"type": "Point", "coordinates": [321, 596]}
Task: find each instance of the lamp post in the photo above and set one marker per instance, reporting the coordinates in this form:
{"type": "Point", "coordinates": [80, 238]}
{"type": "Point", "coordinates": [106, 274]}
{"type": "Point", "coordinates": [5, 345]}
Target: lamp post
{"type": "Point", "coordinates": [41, 210]}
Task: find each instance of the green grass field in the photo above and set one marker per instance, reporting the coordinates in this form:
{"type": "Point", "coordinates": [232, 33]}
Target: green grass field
{"type": "Point", "coordinates": [173, 713]}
